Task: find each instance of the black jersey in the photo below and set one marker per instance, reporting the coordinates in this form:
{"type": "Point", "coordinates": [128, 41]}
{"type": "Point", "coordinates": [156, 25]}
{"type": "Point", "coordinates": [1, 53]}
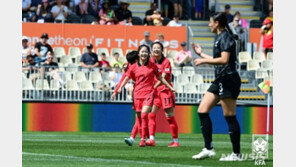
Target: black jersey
{"type": "Point", "coordinates": [224, 42]}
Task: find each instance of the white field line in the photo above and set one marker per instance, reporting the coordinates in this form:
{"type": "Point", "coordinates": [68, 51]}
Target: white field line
{"type": "Point", "coordinates": [117, 141]}
{"type": "Point", "coordinates": [104, 160]}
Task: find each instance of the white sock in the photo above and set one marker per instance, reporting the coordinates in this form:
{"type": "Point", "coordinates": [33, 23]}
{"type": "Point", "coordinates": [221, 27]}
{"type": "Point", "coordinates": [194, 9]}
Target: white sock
{"type": "Point", "coordinates": [151, 137]}
{"type": "Point", "coordinates": [132, 139]}
{"type": "Point", "coordinates": [176, 140]}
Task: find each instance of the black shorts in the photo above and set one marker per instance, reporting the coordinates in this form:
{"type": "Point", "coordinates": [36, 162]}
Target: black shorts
{"type": "Point", "coordinates": [226, 86]}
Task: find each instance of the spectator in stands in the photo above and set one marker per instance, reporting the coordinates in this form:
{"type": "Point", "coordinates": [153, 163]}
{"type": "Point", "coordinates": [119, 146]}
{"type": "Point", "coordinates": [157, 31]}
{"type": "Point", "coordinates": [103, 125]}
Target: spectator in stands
{"type": "Point", "coordinates": [175, 22]}
{"type": "Point", "coordinates": [148, 20]}
{"type": "Point", "coordinates": [59, 12]}
{"type": "Point", "coordinates": [184, 56]}
{"type": "Point", "coordinates": [49, 63]}
{"type": "Point", "coordinates": [115, 75]}
{"type": "Point", "coordinates": [43, 12]}
{"type": "Point", "coordinates": [82, 8]}
{"type": "Point", "coordinates": [103, 62]}
{"type": "Point", "coordinates": [89, 59]}
{"type": "Point", "coordinates": [106, 15]}
{"type": "Point", "coordinates": [96, 6]}
{"type": "Point", "coordinates": [157, 19]}
{"type": "Point", "coordinates": [243, 22]}
{"type": "Point", "coordinates": [96, 22]}
{"type": "Point", "coordinates": [41, 48]}
{"type": "Point", "coordinates": [165, 7]}
{"type": "Point", "coordinates": [116, 61]}
{"type": "Point", "coordinates": [160, 38]}
{"type": "Point", "coordinates": [26, 4]}
{"type": "Point", "coordinates": [267, 32]}
{"type": "Point", "coordinates": [189, 9]}
{"type": "Point", "coordinates": [146, 40]}
{"type": "Point", "coordinates": [177, 7]}
{"type": "Point", "coordinates": [123, 14]}
{"type": "Point", "coordinates": [238, 30]}
{"type": "Point", "coordinates": [198, 6]}
{"type": "Point", "coordinates": [228, 14]}
{"type": "Point", "coordinates": [31, 67]}
{"type": "Point", "coordinates": [26, 49]}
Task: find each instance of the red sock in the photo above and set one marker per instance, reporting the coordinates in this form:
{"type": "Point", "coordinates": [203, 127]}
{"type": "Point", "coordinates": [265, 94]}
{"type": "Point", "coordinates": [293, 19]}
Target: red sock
{"type": "Point", "coordinates": [144, 117]}
{"type": "Point", "coordinates": [139, 126]}
{"type": "Point", "coordinates": [152, 123]}
{"type": "Point", "coordinates": [173, 126]}
{"type": "Point", "coordinates": [135, 128]}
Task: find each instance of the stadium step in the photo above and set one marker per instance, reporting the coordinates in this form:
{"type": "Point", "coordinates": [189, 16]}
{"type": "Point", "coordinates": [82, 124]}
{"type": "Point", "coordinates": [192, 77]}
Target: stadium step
{"type": "Point", "coordinates": [235, 2]}
{"type": "Point", "coordinates": [204, 34]}
{"type": "Point", "coordinates": [251, 97]}
{"type": "Point", "coordinates": [243, 80]}
{"type": "Point", "coordinates": [200, 29]}
{"type": "Point", "coordinates": [239, 8]}
{"type": "Point", "coordinates": [195, 23]}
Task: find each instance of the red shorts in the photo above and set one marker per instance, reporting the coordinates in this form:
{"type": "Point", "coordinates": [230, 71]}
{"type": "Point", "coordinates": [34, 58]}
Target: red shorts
{"type": "Point", "coordinates": [165, 99]}
{"type": "Point", "coordinates": [139, 103]}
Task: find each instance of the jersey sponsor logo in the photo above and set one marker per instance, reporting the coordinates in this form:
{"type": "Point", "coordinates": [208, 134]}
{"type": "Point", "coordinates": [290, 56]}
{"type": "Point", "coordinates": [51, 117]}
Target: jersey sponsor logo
{"type": "Point", "coordinates": [159, 70]}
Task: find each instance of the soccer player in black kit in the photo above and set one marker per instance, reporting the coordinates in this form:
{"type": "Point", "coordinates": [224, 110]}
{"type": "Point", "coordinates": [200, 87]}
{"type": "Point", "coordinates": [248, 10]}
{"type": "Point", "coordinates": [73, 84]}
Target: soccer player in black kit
{"type": "Point", "coordinates": [225, 88]}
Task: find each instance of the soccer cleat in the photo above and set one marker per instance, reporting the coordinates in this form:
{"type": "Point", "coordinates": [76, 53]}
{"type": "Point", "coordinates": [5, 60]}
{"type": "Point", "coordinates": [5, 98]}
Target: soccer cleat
{"type": "Point", "coordinates": [232, 157]}
{"type": "Point", "coordinates": [142, 143]}
{"type": "Point", "coordinates": [150, 142]}
{"type": "Point", "coordinates": [128, 141]}
{"type": "Point", "coordinates": [205, 153]}
{"type": "Point", "coordinates": [174, 144]}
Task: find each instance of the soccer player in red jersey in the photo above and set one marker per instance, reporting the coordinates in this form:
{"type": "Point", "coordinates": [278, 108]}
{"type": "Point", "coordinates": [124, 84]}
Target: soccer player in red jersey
{"type": "Point", "coordinates": [164, 98]}
{"type": "Point", "coordinates": [132, 57]}
{"type": "Point", "coordinates": [144, 71]}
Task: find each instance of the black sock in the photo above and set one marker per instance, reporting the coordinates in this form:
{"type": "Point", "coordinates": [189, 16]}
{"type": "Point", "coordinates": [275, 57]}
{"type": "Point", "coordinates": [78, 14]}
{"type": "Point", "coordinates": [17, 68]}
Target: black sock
{"type": "Point", "coordinates": [234, 132]}
{"type": "Point", "coordinates": [206, 128]}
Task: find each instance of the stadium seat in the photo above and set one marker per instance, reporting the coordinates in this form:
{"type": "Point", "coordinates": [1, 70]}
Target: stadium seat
{"type": "Point", "coordinates": [72, 68]}
{"type": "Point", "coordinates": [270, 56]}
{"type": "Point", "coordinates": [74, 51]}
{"type": "Point", "coordinates": [182, 79]}
{"type": "Point", "coordinates": [79, 76]}
{"type": "Point", "coordinates": [118, 50]}
{"type": "Point", "coordinates": [202, 88]}
{"type": "Point", "coordinates": [87, 19]}
{"type": "Point", "coordinates": [77, 60]}
{"type": "Point", "coordinates": [73, 18]}
{"type": "Point", "coordinates": [122, 59]}
{"type": "Point", "coordinates": [59, 51]}
{"type": "Point", "coordinates": [27, 84]}
{"type": "Point", "coordinates": [172, 53]}
{"type": "Point", "coordinates": [101, 50]}
{"type": "Point", "coordinates": [54, 84]}
{"type": "Point", "coordinates": [188, 70]}
{"type": "Point", "coordinates": [190, 88]}
{"type": "Point", "coordinates": [72, 85]}
{"type": "Point", "coordinates": [267, 65]}
{"type": "Point", "coordinates": [176, 71]}
{"type": "Point", "coordinates": [95, 77]}
{"type": "Point", "coordinates": [66, 60]}
{"type": "Point", "coordinates": [137, 20]}
{"type": "Point", "coordinates": [110, 59]}
{"type": "Point", "coordinates": [179, 88]}
{"type": "Point", "coordinates": [253, 65]}
{"type": "Point", "coordinates": [172, 62]}
{"type": "Point", "coordinates": [244, 57]}
{"type": "Point", "coordinates": [259, 56]}
{"type": "Point", "coordinates": [39, 83]}
{"type": "Point", "coordinates": [67, 76]}
{"type": "Point", "coordinates": [86, 85]}
{"type": "Point", "coordinates": [84, 50]}
{"type": "Point", "coordinates": [197, 79]}
{"type": "Point", "coordinates": [165, 21]}
{"type": "Point", "coordinates": [261, 74]}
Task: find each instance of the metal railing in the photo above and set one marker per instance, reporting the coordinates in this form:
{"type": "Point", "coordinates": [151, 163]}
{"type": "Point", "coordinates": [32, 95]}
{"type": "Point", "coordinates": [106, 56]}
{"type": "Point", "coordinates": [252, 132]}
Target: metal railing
{"type": "Point", "coordinates": [78, 84]}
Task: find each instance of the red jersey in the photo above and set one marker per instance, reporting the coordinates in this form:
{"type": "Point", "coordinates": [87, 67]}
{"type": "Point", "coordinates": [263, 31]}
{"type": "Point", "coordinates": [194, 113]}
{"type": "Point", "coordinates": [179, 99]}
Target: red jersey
{"type": "Point", "coordinates": [165, 67]}
{"type": "Point", "coordinates": [123, 76]}
{"type": "Point", "coordinates": [144, 78]}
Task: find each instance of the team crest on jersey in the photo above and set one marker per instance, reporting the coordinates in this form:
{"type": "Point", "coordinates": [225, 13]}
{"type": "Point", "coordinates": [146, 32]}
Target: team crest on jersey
{"type": "Point", "coordinates": [167, 69]}
{"type": "Point", "coordinates": [159, 70]}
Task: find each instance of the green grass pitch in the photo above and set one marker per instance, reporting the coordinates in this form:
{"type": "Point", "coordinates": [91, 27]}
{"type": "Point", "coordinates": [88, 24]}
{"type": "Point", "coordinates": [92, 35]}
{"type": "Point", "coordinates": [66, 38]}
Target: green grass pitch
{"type": "Point", "coordinates": [90, 149]}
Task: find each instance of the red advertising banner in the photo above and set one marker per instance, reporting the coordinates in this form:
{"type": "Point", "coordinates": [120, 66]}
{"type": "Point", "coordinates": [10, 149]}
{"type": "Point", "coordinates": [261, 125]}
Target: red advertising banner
{"type": "Point", "coordinates": [101, 36]}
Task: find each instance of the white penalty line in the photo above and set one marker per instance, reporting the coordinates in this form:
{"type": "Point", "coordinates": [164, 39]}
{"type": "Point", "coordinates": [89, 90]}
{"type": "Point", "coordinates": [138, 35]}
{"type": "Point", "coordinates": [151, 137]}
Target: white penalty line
{"type": "Point", "coordinates": [105, 160]}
